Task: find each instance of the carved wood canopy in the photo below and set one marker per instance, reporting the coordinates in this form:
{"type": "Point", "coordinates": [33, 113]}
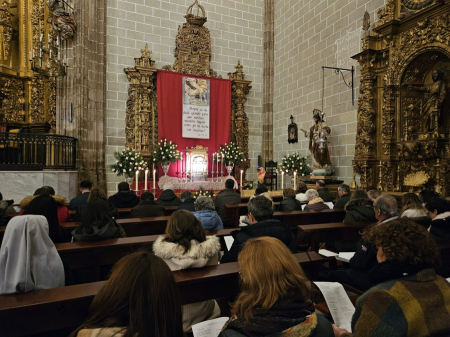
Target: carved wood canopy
{"type": "Point", "coordinates": [404, 103]}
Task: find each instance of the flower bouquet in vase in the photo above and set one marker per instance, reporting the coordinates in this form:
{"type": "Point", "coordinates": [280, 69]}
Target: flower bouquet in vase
{"type": "Point", "coordinates": [232, 155]}
{"type": "Point", "coordinates": [127, 163]}
{"type": "Point", "coordinates": [166, 153]}
{"type": "Point", "coordinates": [203, 193]}
{"type": "Point", "coordinates": [294, 163]}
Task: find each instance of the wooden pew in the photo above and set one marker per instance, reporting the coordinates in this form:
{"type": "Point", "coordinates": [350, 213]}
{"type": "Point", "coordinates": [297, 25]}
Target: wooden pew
{"type": "Point", "coordinates": [125, 212]}
{"type": "Point", "coordinates": [66, 307]}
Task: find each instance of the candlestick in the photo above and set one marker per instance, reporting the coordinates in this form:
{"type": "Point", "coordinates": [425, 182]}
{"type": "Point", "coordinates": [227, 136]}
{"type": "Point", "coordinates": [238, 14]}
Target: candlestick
{"type": "Point", "coordinates": [57, 40]}
{"type": "Point", "coordinates": [242, 171]}
{"type": "Point", "coordinates": [50, 54]}
{"type": "Point", "coordinates": [154, 179]}
{"type": "Point", "coordinates": [282, 179]}
{"type": "Point", "coordinates": [30, 56]}
{"type": "Point", "coordinates": [42, 36]}
{"type": "Point", "coordinates": [295, 179]}
{"type": "Point", "coordinates": [33, 54]}
{"type": "Point", "coordinates": [146, 174]}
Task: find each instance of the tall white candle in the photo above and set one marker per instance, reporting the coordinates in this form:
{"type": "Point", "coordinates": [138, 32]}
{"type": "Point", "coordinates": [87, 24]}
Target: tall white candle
{"type": "Point", "coordinates": [295, 179]}
{"type": "Point", "coordinates": [137, 179]}
{"type": "Point", "coordinates": [154, 179]}
{"type": "Point", "coordinates": [181, 165]}
{"type": "Point", "coordinates": [242, 171]}
{"type": "Point", "coordinates": [282, 179]}
{"type": "Point", "coordinates": [146, 175]}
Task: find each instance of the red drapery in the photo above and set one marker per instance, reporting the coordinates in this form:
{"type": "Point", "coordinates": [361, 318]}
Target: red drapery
{"type": "Point", "coordinates": [170, 110]}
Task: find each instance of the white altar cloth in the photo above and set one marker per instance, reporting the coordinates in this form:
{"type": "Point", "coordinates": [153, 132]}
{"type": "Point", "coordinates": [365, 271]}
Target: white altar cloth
{"type": "Point", "coordinates": [184, 184]}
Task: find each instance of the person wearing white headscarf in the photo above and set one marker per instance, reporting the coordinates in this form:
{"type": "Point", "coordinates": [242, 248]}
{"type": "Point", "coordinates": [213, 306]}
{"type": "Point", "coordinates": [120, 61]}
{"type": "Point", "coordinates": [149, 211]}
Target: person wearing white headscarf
{"type": "Point", "coordinates": [28, 258]}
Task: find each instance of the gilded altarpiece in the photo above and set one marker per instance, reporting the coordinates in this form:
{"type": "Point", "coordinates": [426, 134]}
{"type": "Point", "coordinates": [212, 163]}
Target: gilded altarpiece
{"type": "Point", "coordinates": [403, 132]}
{"type": "Point", "coordinates": [192, 56]}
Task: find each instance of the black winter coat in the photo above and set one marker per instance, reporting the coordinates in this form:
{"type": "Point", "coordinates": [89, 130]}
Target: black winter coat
{"type": "Point", "coordinates": [342, 201]}
{"type": "Point", "coordinates": [226, 197]}
{"type": "Point", "coordinates": [289, 204]}
{"type": "Point", "coordinates": [272, 227]}
{"type": "Point", "coordinates": [440, 229]}
{"type": "Point", "coordinates": [359, 210]}
{"type": "Point", "coordinates": [325, 194]}
{"type": "Point", "coordinates": [169, 198]}
{"type": "Point", "coordinates": [188, 205]}
{"type": "Point", "coordinates": [78, 201]}
{"type": "Point", "coordinates": [124, 199]}
{"type": "Point", "coordinates": [147, 209]}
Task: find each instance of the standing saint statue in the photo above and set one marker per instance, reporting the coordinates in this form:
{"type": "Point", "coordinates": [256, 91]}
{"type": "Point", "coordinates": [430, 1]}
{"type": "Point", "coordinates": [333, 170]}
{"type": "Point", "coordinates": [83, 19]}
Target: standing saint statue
{"type": "Point", "coordinates": [318, 140]}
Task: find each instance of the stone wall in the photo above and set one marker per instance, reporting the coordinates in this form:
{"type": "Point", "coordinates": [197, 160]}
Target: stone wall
{"type": "Point", "coordinates": [236, 29]}
{"type": "Point", "coordinates": [309, 35]}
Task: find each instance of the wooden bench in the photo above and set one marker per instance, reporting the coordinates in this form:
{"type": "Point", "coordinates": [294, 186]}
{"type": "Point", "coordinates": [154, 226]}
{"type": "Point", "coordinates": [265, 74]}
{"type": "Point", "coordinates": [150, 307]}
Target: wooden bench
{"type": "Point", "coordinates": [125, 212]}
{"type": "Point", "coordinates": [67, 307]}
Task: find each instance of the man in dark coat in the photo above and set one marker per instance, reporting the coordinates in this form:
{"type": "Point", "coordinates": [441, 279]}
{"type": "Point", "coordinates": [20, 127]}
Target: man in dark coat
{"type": "Point", "coordinates": [85, 189]}
{"type": "Point", "coordinates": [261, 224]}
{"type": "Point", "coordinates": [323, 191]}
{"type": "Point", "coordinates": [125, 198]}
{"type": "Point", "coordinates": [147, 208]}
{"type": "Point", "coordinates": [168, 197]}
{"type": "Point", "coordinates": [344, 196]}
{"type": "Point", "coordinates": [187, 202]}
{"type": "Point", "coordinates": [226, 197]}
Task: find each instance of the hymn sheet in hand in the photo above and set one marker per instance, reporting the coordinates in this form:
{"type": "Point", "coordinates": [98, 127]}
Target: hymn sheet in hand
{"type": "Point", "coordinates": [211, 328]}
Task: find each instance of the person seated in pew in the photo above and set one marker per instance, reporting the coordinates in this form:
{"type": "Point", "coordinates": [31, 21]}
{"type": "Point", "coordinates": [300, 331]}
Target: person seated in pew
{"type": "Point", "coordinates": [85, 189]}
{"type": "Point", "coordinates": [409, 299]}
{"type": "Point", "coordinates": [168, 197]}
{"type": "Point", "coordinates": [289, 202]}
{"type": "Point", "coordinates": [412, 207]}
{"type": "Point", "coordinates": [260, 212]}
{"type": "Point", "coordinates": [63, 211]}
{"type": "Point", "coordinates": [28, 257]}
{"type": "Point", "coordinates": [5, 208]}
{"type": "Point", "coordinates": [185, 246]}
{"type": "Point", "coordinates": [97, 223]}
{"type": "Point", "coordinates": [187, 200]}
{"type": "Point", "coordinates": [300, 192]}
{"type": "Point", "coordinates": [275, 297]}
{"type": "Point", "coordinates": [95, 193]}
{"type": "Point", "coordinates": [260, 189]}
{"type": "Point", "coordinates": [439, 212]}
{"type": "Point", "coordinates": [323, 191]}
{"type": "Point", "coordinates": [147, 208]}
{"type": "Point", "coordinates": [226, 197]}
{"type": "Point", "coordinates": [140, 298]}
{"type": "Point", "coordinates": [344, 196]}
{"type": "Point", "coordinates": [373, 194]}
{"type": "Point", "coordinates": [315, 203]}
{"type": "Point", "coordinates": [364, 260]}
{"type": "Point", "coordinates": [359, 208]}
{"type": "Point", "coordinates": [46, 206]}
{"type": "Point", "coordinates": [427, 195]}
{"type": "Point", "coordinates": [205, 211]}
{"type": "Point", "coordinates": [124, 198]}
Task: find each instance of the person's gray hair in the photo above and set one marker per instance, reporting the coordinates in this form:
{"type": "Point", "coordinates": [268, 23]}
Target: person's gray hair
{"type": "Point", "coordinates": [387, 204]}
{"type": "Point", "coordinates": [311, 194]}
{"type": "Point", "coordinates": [168, 187]}
{"type": "Point", "coordinates": [260, 207]}
{"type": "Point", "coordinates": [344, 188]}
{"type": "Point", "coordinates": [204, 204]}
{"type": "Point", "coordinates": [185, 195]}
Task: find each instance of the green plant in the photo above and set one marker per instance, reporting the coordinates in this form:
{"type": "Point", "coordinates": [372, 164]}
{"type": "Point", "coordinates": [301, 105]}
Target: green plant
{"type": "Point", "coordinates": [232, 154]}
{"type": "Point", "coordinates": [248, 185]}
{"type": "Point", "coordinates": [166, 152]}
{"type": "Point", "coordinates": [294, 162]}
{"type": "Point", "coordinates": [128, 162]}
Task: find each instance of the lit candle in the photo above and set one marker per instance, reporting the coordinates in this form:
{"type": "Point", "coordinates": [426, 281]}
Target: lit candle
{"type": "Point", "coordinates": [242, 171]}
{"type": "Point", "coordinates": [42, 36]}
{"type": "Point", "coordinates": [146, 174]}
{"type": "Point", "coordinates": [295, 179]}
{"type": "Point", "coordinates": [57, 40]}
{"type": "Point", "coordinates": [30, 55]}
{"type": "Point", "coordinates": [181, 165]}
{"type": "Point", "coordinates": [154, 179]}
{"type": "Point", "coordinates": [50, 54]}
{"type": "Point", "coordinates": [137, 179]}
{"type": "Point", "coordinates": [282, 179]}
{"type": "Point", "coordinates": [33, 54]}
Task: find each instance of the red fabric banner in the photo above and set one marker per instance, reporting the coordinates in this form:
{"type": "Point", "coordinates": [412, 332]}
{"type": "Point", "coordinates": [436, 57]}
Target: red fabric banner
{"type": "Point", "coordinates": [170, 113]}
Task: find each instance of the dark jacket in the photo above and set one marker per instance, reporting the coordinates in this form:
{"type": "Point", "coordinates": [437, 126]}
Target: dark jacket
{"type": "Point", "coordinates": [80, 209]}
{"type": "Point", "coordinates": [316, 205]}
{"type": "Point", "coordinates": [210, 220]}
{"type": "Point", "coordinates": [342, 201]}
{"type": "Point", "coordinates": [359, 210]}
{"type": "Point", "coordinates": [226, 197]}
{"type": "Point", "coordinates": [110, 230]}
{"type": "Point", "coordinates": [440, 227]}
{"type": "Point", "coordinates": [5, 208]}
{"type": "Point", "coordinates": [78, 201]}
{"type": "Point", "coordinates": [187, 205]}
{"type": "Point", "coordinates": [169, 198]}
{"type": "Point", "coordinates": [289, 204]}
{"type": "Point", "coordinates": [325, 194]}
{"type": "Point", "coordinates": [147, 209]}
{"type": "Point", "coordinates": [124, 199]}
{"type": "Point", "coordinates": [272, 227]}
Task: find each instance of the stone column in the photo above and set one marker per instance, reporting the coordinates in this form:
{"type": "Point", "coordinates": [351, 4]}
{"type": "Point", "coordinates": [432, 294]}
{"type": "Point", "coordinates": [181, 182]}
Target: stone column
{"type": "Point", "coordinates": [85, 87]}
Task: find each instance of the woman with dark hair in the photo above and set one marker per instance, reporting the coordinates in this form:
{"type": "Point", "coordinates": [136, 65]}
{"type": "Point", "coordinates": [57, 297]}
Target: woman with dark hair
{"type": "Point", "coordinates": [95, 193]}
{"type": "Point", "coordinates": [409, 299]}
{"type": "Point", "coordinates": [140, 299]}
{"type": "Point", "coordinates": [289, 202]}
{"type": "Point", "coordinates": [412, 208]}
{"type": "Point", "coordinates": [275, 297]}
{"type": "Point", "coordinates": [46, 205]}
{"type": "Point", "coordinates": [97, 223]}
{"type": "Point", "coordinates": [439, 212]}
{"type": "Point", "coordinates": [260, 189]}
{"type": "Point", "coordinates": [427, 196]}
{"type": "Point", "coordinates": [359, 208]}
{"type": "Point", "coordinates": [185, 246]}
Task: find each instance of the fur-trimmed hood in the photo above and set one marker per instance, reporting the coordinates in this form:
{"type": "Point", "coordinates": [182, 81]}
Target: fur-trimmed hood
{"type": "Point", "coordinates": [315, 201]}
{"type": "Point", "coordinates": [352, 204]}
{"type": "Point", "coordinates": [61, 201]}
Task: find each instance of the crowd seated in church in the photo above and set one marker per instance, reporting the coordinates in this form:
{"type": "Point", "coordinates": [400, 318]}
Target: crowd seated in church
{"type": "Point", "coordinates": [95, 193]}
{"type": "Point", "coordinates": [280, 305]}
{"type": "Point", "coordinates": [5, 208]}
{"type": "Point", "coordinates": [315, 203]}
{"type": "Point", "coordinates": [147, 207]}
{"type": "Point", "coordinates": [63, 212]}
{"type": "Point", "coordinates": [28, 257]}
{"type": "Point", "coordinates": [300, 192]}
{"type": "Point", "coordinates": [85, 189]}
{"type": "Point", "coordinates": [373, 193]}
{"type": "Point", "coordinates": [359, 208]}
{"type": "Point", "coordinates": [408, 298]}
{"type": "Point", "coordinates": [412, 207]}
{"type": "Point", "coordinates": [205, 211]}
{"type": "Point", "coordinates": [323, 191]}
{"type": "Point", "coordinates": [364, 260]}
{"type": "Point", "coordinates": [289, 202]}
{"type": "Point", "coordinates": [124, 198]}
{"type": "Point", "coordinates": [439, 212]}
{"type": "Point", "coordinates": [260, 212]}
{"type": "Point", "coordinates": [168, 197]}
{"type": "Point", "coordinates": [427, 196]}
{"type": "Point", "coordinates": [187, 200]}
{"type": "Point", "coordinates": [97, 223]}
{"type": "Point", "coordinates": [140, 298]}
{"type": "Point", "coordinates": [185, 246]}
{"type": "Point", "coordinates": [226, 197]}
{"type": "Point", "coordinates": [344, 196]}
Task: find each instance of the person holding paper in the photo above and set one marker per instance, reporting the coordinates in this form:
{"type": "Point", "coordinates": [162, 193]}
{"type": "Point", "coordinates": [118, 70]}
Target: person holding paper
{"type": "Point", "coordinates": [409, 299]}
{"type": "Point", "coordinates": [275, 298]}
{"type": "Point", "coordinates": [185, 246]}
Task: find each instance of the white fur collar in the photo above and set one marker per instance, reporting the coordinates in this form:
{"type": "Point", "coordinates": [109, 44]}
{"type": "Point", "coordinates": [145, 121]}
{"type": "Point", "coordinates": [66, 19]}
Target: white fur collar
{"type": "Point", "coordinates": [170, 250]}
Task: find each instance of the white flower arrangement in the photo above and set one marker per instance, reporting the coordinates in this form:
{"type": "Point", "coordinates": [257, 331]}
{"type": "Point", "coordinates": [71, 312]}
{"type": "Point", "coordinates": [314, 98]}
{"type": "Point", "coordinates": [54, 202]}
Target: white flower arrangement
{"type": "Point", "coordinates": [166, 152]}
{"type": "Point", "coordinates": [127, 162]}
{"type": "Point", "coordinates": [293, 162]}
{"type": "Point", "coordinates": [232, 152]}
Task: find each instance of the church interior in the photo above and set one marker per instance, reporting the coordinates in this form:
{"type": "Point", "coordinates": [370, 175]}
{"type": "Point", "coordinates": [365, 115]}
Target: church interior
{"type": "Point", "coordinates": [224, 167]}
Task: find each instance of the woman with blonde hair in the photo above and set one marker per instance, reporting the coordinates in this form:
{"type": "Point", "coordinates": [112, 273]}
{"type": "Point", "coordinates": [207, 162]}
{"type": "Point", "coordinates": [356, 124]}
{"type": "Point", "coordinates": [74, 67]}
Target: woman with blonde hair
{"type": "Point", "coordinates": [412, 207]}
{"type": "Point", "coordinates": [275, 295]}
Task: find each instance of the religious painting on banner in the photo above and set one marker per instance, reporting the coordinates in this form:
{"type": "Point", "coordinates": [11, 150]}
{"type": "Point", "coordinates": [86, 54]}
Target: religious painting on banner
{"type": "Point", "coordinates": [196, 108]}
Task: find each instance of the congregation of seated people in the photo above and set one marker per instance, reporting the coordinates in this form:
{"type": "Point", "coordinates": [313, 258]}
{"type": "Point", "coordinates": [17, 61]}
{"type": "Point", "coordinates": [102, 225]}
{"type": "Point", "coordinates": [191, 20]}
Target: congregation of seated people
{"type": "Point", "coordinates": [397, 261]}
